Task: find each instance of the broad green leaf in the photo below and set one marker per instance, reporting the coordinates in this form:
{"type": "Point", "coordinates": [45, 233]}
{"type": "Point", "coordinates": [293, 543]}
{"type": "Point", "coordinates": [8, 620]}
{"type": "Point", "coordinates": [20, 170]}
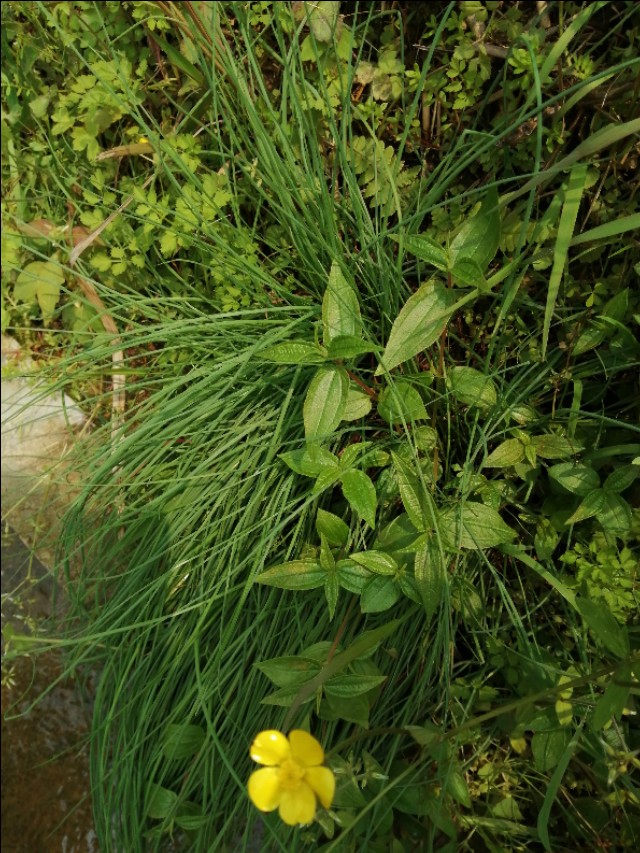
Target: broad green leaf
{"type": "Point", "coordinates": [575, 478]}
{"type": "Point", "coordinates": [348, 346]}
{"type": "Point", "coordinates": [620, 479]}
{"type": "Point", "coordinates": [325, 402]}
{"type": "Point", "coordinates": [323, 18]}
{"type": "Point", "coordinates": [352, 453]}
{"type": "Point", "coordinates": [190, 816]}
{"type": "Point", "coordinates": [546, 539]}
{"type": "Point", "coordinates": [509, 453]}
{"type": "Point", "coordinates": [419, 324]}
{"type": "Point", "coordinates": [331, 591]}
{"type": "Point", "coordinates": [573, 196]}
{"type": "Point", "coordinates": [344, 686]}
{"type": "Point", "coordinates": [425, 438]}
{"type": "Point", "coordinates": [40, 281]}
{"type": "Point", "coordinates": [332, 528]}
{"type": "Point", "coordinates": [161, 802]}
{"type": "Point", "coordinates": [358, 405]}
{"type": "Point", "coordinates": [412, 492]}
{"type": "Point", "coordinates": [456, 786]}
{"type": "Point", "coordinates": [471, 387]}
{"type": "Point", "coordinates": [430, 575]}
{"type": "Point", "coordinates": [409, 587]}
{"type": "Point", "coordinates": [426, 249]}
{"type": "Point", "coordinates": [401, 403]}
{"type": "Point", "coordinates": [182, 741]}
{"type": "Point", "coordinates": [466, 272]}
{"type": "Point", "coordinates": [310, 462]}
{"type": "Point", "coordinates": [604, 626]}
{"type": "Point", "coordinates": [355, 709]}
{"type": "Point", "coordinates": [285, 697]}
{"type": "Point", "coordinates": [327, 560]}
{"type": "Point", "coordinates": [352, 577]}
{"type": "Point", "coordinates": [615, 515]}
{"type": "Point", "coordinates": [612, 702]}
{"type": "Point", "coordinates": [297, 574]}
{"type": "Point", "coordinates": [294, 352]}
{"type": "Point", "coordinates": [474, 525]}
{"type": "Point", "coordinates": [340, 308]}
{"type": "Point", "coordinates": [507, 809]}
{"type": "Point", "coordinates": [289, 671]}
{"type": "Point", "coordinates": [361, 494]}
{"type": "Point", "coordinates": [555, 446]}
{"type": "Point", "coordinates": [424, 735]}
{"type": "Point", "coordinates": [548, 747]}
{"type": "Point", "coordinates": [379, 594]}
{"type": "Point", "coordinates": [376, 561]}
{"type": "Point", "coordinates": [591, 505]}
{"type": "Point", "coordinates": [479, 237]}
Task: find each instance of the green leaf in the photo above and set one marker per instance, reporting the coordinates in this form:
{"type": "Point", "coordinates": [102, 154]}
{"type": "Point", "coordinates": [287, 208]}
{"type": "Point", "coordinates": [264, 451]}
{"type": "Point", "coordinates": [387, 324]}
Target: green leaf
{"type": "Point", "coordinates": [289, 671]}
{"type": "Point", "coordinates": [182, 741]}
{"type": "Point", "coordinates": [294, 352]}
{"type": "Point", "coordinates": [376, 561]}
{"type": "Point", "coordinates": [604, 626]}
{"type": "Point", "coordinates": [555, 446]}
{"type": "Point", "coordinates": [615, 515]}
{"type": "Point", "coordinates": [310, 462]}
{"type": "Point", "coordinates": [548, 747]}
{"type": "Point", "coordinates": [419, 324]}
{"type": "Point", "coordinates": [575, 478]}
{"type": "Point", "coordinates": [379, 594]}
{"type": "Point", "coordinates": [401, 403]}
{"type": "Point", "coordinates": [546, 539]}
{"type": "Point", "coordinates": [161, 802]}
{"type": "Point", "coordinates": [471, 387]}
{"type": "Point", "coordinates": [297, 574]}
{"type": "Point", "coordinates": [474, 525]}
{"type": "Point", "coordinates": [468, 273]}
{"type": "Point", "coordinates": [425, 249]}
{"type": "Point", "coordinates": [620, 479]}
{"type": "Point", "coordinates": [359, 490]}
{"type": "Point", "coordinates": [353, 710]}
{"type": "Point", "coordinates": [479, 237]}
{"type": "Point", "coordinates": [190, 816]}
{"type": "Point", "coordinates": [345, 686]}
{"type": "Point", "coordinates": [509, 453]}
{"type": "Point", "coordinates": [352, 577]}
{"type": "Point", "coordinates": [348, 346]}
{"type": "Point", "coordinates": [573, 196]}
{"type": "Point", "coordinates": [331, 592]}
{"type": "Point", "coordinates": [332, 528]}
{"type": "Point", "coordinates": [340, 308]}
{"type": "Point", "coordinates": [40, 281]}
{"type": "Point", "coordinates": [358, 405]}
{"type": "Point", "coordinates": [457, 787]}
{"type": "Point", "coordinates": [612, 702]}
{"type": "Point", "coordinates": [323, 19]}
{"type": "Point", "coordinates": [325, 402]}
{"type": "Point", "coordinates": [590, 506]}
{"type": "Point", "coordinates": [414, 497]}
{"type": "Point", "coordinates": [287, 696]}
{"type": "Point", "coordinates": [430, 575]}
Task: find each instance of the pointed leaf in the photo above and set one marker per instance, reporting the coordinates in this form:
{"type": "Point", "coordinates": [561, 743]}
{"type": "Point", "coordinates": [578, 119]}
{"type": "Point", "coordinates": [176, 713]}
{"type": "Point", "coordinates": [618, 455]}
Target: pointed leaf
{"type": "Point", "coordinates": [426, 249]}
{"type": "Point", "coordinates": [479, 237]}
{"type": "Point", "coordinates": [466, 272]}
{"type": "Point", "coordinates": [547, 748]}
{"type": "Point", "coordinates": [325, 402]}
{"type": "Point", "coordinates": [289, 671]}
{"type": "Point", "coordinates": [430, 575]}
{"type": "Point", "coordinates": [161, 802]}
{"type": "Point", "coordinates": [411, 491]}
{"type": "Point", "coordinates": [359, 490]}
{"type": "Point", "coordinates": [615, 515]}
{"type": "Point", "coordinates": [352, 577]}
{"type": "Point", "coordinates": [182, 741]}
{"type": "Point", "coordinates": [294, 352]}
{"type": "Point", "coordinates": [620, 479]}
{"type": "Point", "coordinates": [298, 574]}
{"type": "Point", "coordinates": [555, 446]}
{"type": "Point", "coordinates": [509, 453]}
{"type": "Point", "coordinates": [358, 405]}
{"type": "Point", "coordinates": [418, 325]}
{"type": "Point", "coordinates": [310, 462]}
{"type": "Point", "coordinates": [340, 308]}
{"type": "Point", "coordinates": [379, 594]}
{"type": "Point", "coordinates": [331, 590]}
{"type": "Point", "coordinates": [348, 346]}
{"type": "Point", "coordinates": [376, 561]}
{"type": "Point", "coordinates": [401, 403]}
{"type": "Point", "coordinates": [604, 626]}
{"type": "Point", "coordinates": [345, 686]}
{"type": "Point", "coordinates": [591, 505]}
{"type": "Point", "coordinates": [575, 478]}
{"type": "Point", "coordinates": [474, 526]}
{"type": "Point", "coordinates": [332, 527]}
{"type": "Point", "coordinates": [471, 387]}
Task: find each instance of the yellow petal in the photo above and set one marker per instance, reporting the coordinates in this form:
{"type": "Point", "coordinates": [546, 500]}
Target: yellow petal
{"type": "Point", "coordinates": [270, 748]}
{"type": "Point", "coordinates": [305, 749]}
{"type": "Point", "coordinates": [323, 784]}
{"type": "Point", "coordinates": [298, 806]}
{"type": "Point", "coordinates": [264, 788]}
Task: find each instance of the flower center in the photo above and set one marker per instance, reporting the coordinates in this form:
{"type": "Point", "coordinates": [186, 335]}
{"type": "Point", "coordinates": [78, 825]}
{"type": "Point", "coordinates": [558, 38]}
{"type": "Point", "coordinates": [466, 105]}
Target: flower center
{"type": "Point", "coordinates": [291, 775]}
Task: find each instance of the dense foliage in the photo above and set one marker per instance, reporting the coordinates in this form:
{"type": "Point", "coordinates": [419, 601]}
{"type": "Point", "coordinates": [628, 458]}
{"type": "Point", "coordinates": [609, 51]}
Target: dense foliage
{"type": "Point", "coordinates": [351, 293]}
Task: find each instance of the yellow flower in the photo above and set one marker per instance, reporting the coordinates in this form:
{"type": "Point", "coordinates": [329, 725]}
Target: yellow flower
{"type": "Point", "coordinates": [293, 776]}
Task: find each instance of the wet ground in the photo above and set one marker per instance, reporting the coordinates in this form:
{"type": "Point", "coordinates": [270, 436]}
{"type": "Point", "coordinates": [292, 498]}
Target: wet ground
{"type": "Point", "coordinates": [46, 805]}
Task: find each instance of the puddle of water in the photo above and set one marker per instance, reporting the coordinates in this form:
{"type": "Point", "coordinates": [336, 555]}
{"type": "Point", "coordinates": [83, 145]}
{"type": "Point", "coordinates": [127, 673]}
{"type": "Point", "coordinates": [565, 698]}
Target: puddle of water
{"type": "Point", "coordinates": [46, 803]}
